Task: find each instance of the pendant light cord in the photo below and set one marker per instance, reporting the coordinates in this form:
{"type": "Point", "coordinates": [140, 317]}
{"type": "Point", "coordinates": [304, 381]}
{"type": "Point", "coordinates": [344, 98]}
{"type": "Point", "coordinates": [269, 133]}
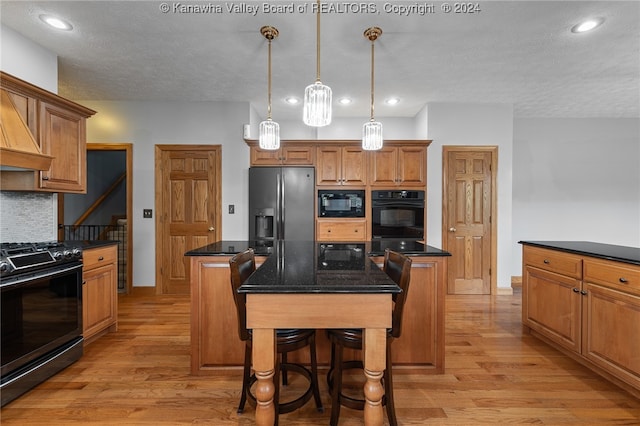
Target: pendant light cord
{"type": "Point", "coordinates": [318, 43]}
{"type": "Point", "coordinates": [269, 81]}
{"type": "Point", "coordinates": [372, 77]}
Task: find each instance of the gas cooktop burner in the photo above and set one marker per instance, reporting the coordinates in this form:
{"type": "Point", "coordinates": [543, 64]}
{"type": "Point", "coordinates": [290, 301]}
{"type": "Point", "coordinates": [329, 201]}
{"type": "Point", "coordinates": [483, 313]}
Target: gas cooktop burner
{"type": "Point", "coordinates": [25, 257]}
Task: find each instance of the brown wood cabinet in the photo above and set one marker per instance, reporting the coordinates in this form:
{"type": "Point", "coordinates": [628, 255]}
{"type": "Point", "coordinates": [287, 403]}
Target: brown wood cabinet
{"type": "Point", "coordinates": [214, 338]}
{"type": "Point", "coordinates": [59, 128]}
{"type": "Point", "coordinates": [289, 154]}
{"type": "Point", "coordinates": [340, 165]}
{"type": "Point", "coordinates": [404, 166]}
{"type": "Point", "coordinates": [99, 291]}
{"type": "Point", "coordinates": [587, 307]}
{"type": "Point", "coordinates": [341, 230]}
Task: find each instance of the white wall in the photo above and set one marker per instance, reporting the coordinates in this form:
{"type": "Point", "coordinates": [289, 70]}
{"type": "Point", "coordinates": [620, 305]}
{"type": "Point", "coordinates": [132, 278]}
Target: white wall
{"type": "Point", "coordinates": [146, 124]}
{"type": "Point", "coordinates": [576, 179]}
{"type": "Point", "coordinates": [470, 124]}
{"type": "Point", "coordinates": [28, 216]}
{"type": "Point", "coordinates": [27, 60]}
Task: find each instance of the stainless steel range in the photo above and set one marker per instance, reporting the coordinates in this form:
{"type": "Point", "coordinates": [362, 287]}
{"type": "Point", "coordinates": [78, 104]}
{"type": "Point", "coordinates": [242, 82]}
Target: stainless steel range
{"type": "Point", "coordinates": [41, 312]}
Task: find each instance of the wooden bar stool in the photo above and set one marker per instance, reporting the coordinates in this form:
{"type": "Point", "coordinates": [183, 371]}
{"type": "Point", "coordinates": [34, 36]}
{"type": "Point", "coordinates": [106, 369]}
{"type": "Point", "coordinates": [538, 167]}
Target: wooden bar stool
{"type": "Point", "coordinates": [289, 340]}
{"type": "Point", "coordinates": [398, 267]}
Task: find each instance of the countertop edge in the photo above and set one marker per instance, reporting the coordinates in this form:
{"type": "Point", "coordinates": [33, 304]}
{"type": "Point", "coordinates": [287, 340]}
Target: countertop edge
{"type": "Point", "coordinates": [597, 250]}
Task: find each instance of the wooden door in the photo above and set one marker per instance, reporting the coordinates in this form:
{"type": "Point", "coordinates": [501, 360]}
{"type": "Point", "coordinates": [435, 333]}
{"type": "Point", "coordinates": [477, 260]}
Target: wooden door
{"type": "Point", "coordinates": [468, 201]}
{"type": "Point", "coordinates": [188, 199]}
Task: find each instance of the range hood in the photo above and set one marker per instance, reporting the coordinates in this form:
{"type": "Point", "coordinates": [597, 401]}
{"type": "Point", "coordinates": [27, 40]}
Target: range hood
{"type": "Point", "coordinates": [18, 147]}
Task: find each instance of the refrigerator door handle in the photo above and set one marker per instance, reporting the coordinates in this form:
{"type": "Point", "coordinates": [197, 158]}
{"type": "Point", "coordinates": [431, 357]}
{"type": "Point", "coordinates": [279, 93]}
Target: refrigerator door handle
{"type": "Point", "coordinates": [280, 206]}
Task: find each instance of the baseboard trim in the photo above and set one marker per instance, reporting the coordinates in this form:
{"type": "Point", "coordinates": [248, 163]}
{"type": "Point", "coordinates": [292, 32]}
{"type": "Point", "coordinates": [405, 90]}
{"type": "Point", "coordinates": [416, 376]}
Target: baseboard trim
{"type": "Point", "coordinates": [516, 282]}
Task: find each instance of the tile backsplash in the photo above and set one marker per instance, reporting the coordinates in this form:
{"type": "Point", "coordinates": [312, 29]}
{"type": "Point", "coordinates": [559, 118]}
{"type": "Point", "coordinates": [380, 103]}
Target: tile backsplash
{"type": "Point", "coordinates": [27, 216]}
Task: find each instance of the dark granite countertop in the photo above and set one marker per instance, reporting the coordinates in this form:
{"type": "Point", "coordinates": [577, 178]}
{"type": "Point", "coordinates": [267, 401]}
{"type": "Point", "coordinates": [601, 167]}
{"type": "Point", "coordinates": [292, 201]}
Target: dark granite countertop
{"type": "Point", "coordinates": [315, 267]}
{"type": "Point", "coordinates": [587, 248]}
{"type": "Point", "coordinates": [371, 248]}
{"type": "Point", "coordinates": [86, 244]}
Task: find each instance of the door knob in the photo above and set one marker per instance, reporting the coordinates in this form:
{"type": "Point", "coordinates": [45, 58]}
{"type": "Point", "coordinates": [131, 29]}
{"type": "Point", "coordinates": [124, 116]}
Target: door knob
{"type": "Point", "coordinates": [211, 228]}
{"type": "Point", "coordinates": [452, 229]}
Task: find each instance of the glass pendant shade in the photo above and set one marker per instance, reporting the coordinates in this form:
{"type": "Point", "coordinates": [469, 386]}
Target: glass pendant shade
{"type": "Point", "coordinates": [269, 135]}
{"type": "Point", "coordinates": [372, 136]}
{"type": "Point", "coordinates": [317, 105]}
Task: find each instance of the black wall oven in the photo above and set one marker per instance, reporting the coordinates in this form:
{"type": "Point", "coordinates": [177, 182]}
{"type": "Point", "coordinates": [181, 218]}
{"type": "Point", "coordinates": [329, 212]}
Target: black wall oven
{"type": "Point", "coordinates": [397, 214]}
{"type": "Point", "coordinates": [41, 313]}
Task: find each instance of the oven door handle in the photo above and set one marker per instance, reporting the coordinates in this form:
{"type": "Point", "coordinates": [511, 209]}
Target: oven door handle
{"type": "Point", "coordinates": [42, 274]}
{"type": "Point", "coordinates": [377, 203]}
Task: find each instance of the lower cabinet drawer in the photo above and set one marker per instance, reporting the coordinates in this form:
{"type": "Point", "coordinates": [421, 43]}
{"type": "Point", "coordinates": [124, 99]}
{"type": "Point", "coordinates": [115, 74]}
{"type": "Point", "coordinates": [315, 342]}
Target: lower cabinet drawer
{"type": "Point", "coordinates": [613, 275]}
{"type": "Point", "coordinates": [554, 261]}
{"type": "Point", "coordinates": [96, 257]}
{"type": "Point", "coordinates": [344, 230]}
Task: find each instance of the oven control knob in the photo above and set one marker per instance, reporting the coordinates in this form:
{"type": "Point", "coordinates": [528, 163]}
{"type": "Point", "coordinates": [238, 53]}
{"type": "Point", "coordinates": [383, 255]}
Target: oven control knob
{"type": "Point", "coordinates": [67, 253]}
{"type": "Point", "coordinates": [57, 255]}
{"type": "Point", "coordinates": [76, 252]}
{"type": "Point", "coordinates": [4, 266]}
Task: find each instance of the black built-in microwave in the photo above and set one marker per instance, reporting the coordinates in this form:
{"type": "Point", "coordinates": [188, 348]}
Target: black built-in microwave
{"type": "Point", "coordinates": [341, 203]}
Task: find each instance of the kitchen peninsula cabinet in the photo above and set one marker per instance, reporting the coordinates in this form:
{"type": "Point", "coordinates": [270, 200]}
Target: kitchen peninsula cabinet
{"type": "Point", "coordinates": [99, 291]}
{"type": "Point", "coordinates": [59, 128]}
{"type": "Point", "coordinates": [288, 155]}
{"type": "Point", "coordinates": [341, 165]}
{"type": "Point", "coordinates": [214, 337]}
{"type": "Point", "coordinates": [404, 166]}
{"type": "Point", "coordinates": [584, 299]}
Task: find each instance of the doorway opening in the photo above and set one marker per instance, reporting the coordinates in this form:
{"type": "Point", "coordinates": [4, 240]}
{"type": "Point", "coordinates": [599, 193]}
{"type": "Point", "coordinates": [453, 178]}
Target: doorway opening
{"type": "Point", "coordinates": [105, 211]}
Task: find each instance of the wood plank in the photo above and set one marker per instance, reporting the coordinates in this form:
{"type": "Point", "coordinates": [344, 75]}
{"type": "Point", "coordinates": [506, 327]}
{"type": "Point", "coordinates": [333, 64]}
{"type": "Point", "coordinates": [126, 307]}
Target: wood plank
{"type": "Point", "coordinates": [494, 375]}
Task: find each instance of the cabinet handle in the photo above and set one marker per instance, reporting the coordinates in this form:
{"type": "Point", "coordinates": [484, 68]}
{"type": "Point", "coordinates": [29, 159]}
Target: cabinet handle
{"type": "Point", "coordinates": [623, 280]}
{"type": "Point", "coordinates": [100, 258]}
{"type": "Point", "coordinates": [546, 261]}
{"type": "Point", "coordinates": [575, 290]}
{"type": "Point", "coordinates": [583, 292]}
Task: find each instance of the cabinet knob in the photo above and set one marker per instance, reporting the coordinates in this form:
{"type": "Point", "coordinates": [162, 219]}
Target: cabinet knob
{"type": "Point", "coordinates": [546, 261]}
{"type": "Point", "coordinates": [452, 229]}
{"type": "Point", "coordinates": [623, 280]}
{"type": "Point", "coordinates": [100, 258]}
{"type": "Point", "coordinates": [356, 231]}
{"type": "Point", "coordinates": [575, 290]}
{"type": "Point", "coordinates": [211, 228]}
{"type": "Point", "coordinates": [583, 292]}
{"type": "Point", "coordinates": [45, 177]}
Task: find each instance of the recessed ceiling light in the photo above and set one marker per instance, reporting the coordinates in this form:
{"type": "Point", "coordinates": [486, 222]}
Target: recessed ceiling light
{"type": "Point", "coordinates": [392, 101]}
{"type": "Point", "coordinates": [56, 22]}
{"type": "Point", "coordinates": [292, 100]}
{"type": "Point", "coordinates": [344, 101]}
{"type": "Point", "coordinates": [588, 25]}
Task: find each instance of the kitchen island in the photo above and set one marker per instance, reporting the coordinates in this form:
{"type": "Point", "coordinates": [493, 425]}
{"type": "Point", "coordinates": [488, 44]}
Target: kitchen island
{"type": "Point", "coordinates": [214, 340]}
{"type": "Point", "coordinates": [583, 298]}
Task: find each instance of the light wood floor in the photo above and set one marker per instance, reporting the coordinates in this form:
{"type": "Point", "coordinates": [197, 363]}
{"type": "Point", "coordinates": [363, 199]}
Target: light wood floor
{"type": "Point", "coordinates": [494, 375]}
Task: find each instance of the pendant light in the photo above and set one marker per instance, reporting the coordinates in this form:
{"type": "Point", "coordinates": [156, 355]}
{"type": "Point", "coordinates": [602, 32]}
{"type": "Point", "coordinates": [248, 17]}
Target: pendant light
{"type": "Point", "coordinates": [269, 129]}
{"type": "Point", "coordinates": [372, 130]}
{"type": "Point", "coordinates": [317, 96]}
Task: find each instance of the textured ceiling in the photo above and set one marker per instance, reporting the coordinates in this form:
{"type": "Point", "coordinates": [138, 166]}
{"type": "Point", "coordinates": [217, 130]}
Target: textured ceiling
{"type": "Point", "coordinates": [517, 52]}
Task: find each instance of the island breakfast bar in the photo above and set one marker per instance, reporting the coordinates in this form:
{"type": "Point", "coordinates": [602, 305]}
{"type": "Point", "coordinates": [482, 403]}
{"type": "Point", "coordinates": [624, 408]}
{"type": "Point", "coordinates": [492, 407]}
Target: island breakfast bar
{"type": "Point", "coordinates": [293, 290]}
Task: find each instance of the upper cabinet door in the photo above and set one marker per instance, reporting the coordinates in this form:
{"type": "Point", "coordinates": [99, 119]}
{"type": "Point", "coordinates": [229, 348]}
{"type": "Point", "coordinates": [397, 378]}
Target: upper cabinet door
{"type": "Point", "coordinates": [340, 165]}
{"type": "Point", "coordinates": [63, 136]}
{"type": "Point", "coordinates": [404, 166]}
{"type": "Point", "coordinates": [287, 155]}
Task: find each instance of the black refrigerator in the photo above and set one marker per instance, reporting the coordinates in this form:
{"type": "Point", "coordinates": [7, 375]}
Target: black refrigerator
{"type": "Point", "coordinates": [281, 203]}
